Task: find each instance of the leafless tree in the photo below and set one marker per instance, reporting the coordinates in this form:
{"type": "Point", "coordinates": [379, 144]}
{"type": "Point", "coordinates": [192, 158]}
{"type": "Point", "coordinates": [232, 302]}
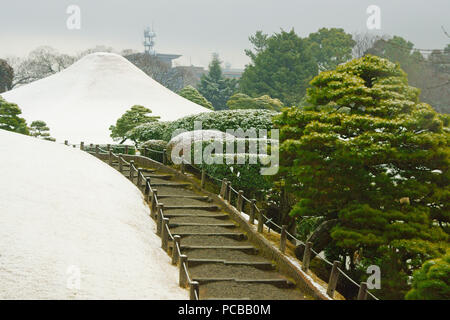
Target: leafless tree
{"type": "Point", "coordinates": [40, 63]}
{"type": "Point", "coordinates": [364, 41]}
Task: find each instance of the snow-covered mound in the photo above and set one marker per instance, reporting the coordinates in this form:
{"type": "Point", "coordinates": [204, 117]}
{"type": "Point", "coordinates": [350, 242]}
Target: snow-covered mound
{"type": "Point", "coordinates": [64, 213]}
{"type": "Point", "coordinates": [82, 101]}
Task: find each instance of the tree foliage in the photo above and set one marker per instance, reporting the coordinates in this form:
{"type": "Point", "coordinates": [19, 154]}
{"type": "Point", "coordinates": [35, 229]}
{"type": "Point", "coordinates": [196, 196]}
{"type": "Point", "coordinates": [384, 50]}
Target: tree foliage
{"type": "Point", "coordinates": [192, 94]}
{"type": "Point", "coordinates": [215, 87]}
{"type": "Point", "coordinates": [6, 76]}
{"type": "Point", "coordinates": [331, 47]}
{"type": "Point", "coordinates": [432, 281]}
{"type": "Point", "coordinates": [281, 69]}
{"type": "Point", "coordinates": [429, 73]}
{"type": "Point", "coordinates": [9, 118]}
{"type": "Point", "coordinates": [367, 153]}
{"type": "Point", "coordinates": [243, 101]}
{"type": "Point", "coordinates": [130, 119]}
{"type": "Point", "coordinates": [39, 129]}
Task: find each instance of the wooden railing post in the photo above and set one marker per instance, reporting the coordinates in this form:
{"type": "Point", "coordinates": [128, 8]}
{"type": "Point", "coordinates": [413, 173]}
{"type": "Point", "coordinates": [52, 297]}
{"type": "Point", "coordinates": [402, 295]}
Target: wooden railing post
{"type": "Point", "coordinates": [260, 222]}
{"type": "Point", "coordinates": [139, 181]}
{"type": "Point", "coordinates": [91, 147]}
{"type": "Point", "coordinates": [110, 158]}
{"type": "Point", "coordinates": [334, 276]}
{"type": "Point", "coordinates": [183, 275]}
{"type": "Point", "coordinates": [230, 192]}
{"type": "Point", "coordinates": [120, 164]}
{"type": "Point", "coordinates": [97, 150]}
{"type": "Point", "coordinates": [306, 256]}
{"type": "Point", "coordinates": [203, 178]}
{"type": "Point", "coordinates": [81, 145]}
{"type": "Point", "coordinates": [153, 203]}
{"type": "Point", "coordinates": [145, 152]}
{"type": "Point", "coordinates": [223, 188]}
{"type": "Point", "coordinates": [66, 142]}
{"type": "Point", "coordinates": [176, 242]}
{"type": "Point", "coordinates": [193, 290]}
{"type": "Point", "coordinates": [164, 234]}
{"type": "Point", "coordinates": [362, 293]}
{"type": "Point", "coordinates": [182, 166]}
{"type": "Point", "coordinates": [164, 156]}
{"type": "Point", "coordinates": [251, 218]}
{"type": "Point", "coordinates": [108, 147]}
{"type": "Point", "coordinates": [159, 209]}
{"type": "Point", "coordinates": [147, 186]}
{"type": "Point", "coordinates": [240, 201]}
{"type": "Point", "coordinates": [283, 238]}
{"type": "Point", "coordinates": [126, 149]}
{"type": "Point", "coordinates": [131, 170]}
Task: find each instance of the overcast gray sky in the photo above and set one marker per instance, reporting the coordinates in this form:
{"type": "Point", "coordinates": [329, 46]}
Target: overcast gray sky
{"type": "Point", "coordinates": [196, 28]}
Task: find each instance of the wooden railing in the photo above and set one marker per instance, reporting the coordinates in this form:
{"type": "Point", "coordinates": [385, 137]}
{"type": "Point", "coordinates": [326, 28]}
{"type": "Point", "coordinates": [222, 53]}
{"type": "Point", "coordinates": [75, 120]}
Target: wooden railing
{"type": "Point", "coordinates": [227, 193]}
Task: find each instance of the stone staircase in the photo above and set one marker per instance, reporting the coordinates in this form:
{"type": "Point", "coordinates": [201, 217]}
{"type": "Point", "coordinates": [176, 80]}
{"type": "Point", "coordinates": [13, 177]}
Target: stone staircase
{"type": "Point", "coordinates": [220, 257]}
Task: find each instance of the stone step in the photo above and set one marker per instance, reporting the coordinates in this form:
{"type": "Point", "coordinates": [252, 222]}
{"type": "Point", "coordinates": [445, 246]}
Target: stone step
{"type": "Point", "coordinates": [201, 198]}
{"type": "Point", "coordinates": [195, 207]}
{"type": "Point", "coordinates": [256, 264]}
{"type": "Point", "coordinates": [236, 290]}
{"type": "Point", "coordinates": [186, 203]}
{"type": "Point", "coordinates": [193, 224]}
{"type": "Point", "coordinates": [201, 220]}
{"type": "Point", "coordinates": [170, 184]}
{"type": "Point", "coordinates": [214, 240]}
{"type": "Point", "coordinates": [198, 215]}
{"type": "Point", "coordinates": [232, 235]}
{"type": "Point", "coordinates": [250, 249]}
{"type": "Point", "coordinates": [279, 283]}
{"type": "Point", "coordinates": [235, 272]}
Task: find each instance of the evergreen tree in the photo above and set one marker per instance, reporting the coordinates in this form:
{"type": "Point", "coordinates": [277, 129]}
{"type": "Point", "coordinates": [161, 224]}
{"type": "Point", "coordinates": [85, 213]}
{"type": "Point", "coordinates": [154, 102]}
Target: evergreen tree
{"type": "Point", "coordinates": [39, 129]}
{"type": "Point", "coordinates": [368, 155]}
{"type": "Point", "coordinates": [192, 94]}
{"type": "Point", "coordinates": [432, 281]}
{"type": "Point", "coordinates": [243, 101]}
{"type": "Point", "coordinates": [6, 76]}
{"type": "Point", "coordinates": [137, 115]}
{"type": "Point", "coordinates": [331, 47]}
{"type": "Point", "coordinates": [281, 68]}
{"type": "Point", "coordinates": [9, 118]}
{"type": "Point", "coordinates": [215, 87]}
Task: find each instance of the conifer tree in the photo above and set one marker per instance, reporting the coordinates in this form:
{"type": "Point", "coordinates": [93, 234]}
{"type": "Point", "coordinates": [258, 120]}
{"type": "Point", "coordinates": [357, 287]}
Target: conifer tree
{"type": "Point", "coordinates": [9, 118]}
{"type": "Point", "coordinates": [192, 94]}
{"type": "Point", "coordinates": [369, 155]}
{"type": "Point", "coordinates": [215, 87]}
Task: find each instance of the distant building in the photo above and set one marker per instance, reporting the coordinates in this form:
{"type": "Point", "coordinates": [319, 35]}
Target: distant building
{"type": "Point", "coordinates": [149, 44]}
{"type": "Point", "coordinates": [232, 73]}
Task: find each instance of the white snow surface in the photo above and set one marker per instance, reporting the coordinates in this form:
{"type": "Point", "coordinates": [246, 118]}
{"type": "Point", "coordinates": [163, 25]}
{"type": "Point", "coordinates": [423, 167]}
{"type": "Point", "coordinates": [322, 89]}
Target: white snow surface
{"type": "Point", "coordinates": [81, 102]}
{"type": "Point", "coordinates": [64, 211]}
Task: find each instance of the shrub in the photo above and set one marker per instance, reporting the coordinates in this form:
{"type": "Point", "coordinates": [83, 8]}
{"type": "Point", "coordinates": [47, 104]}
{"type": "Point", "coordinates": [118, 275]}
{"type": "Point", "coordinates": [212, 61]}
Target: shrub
{"type": "Point", "coordinates": [223, 120]}
{"type": "Point", "coordinates": [148, 131]}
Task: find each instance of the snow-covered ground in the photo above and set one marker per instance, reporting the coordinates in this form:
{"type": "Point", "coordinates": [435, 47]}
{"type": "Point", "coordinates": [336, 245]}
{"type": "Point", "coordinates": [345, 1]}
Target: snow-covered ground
{"type": "Point", "coordinates": [64, 214]}
{"type": "Point", "coordinates": [82, 101]}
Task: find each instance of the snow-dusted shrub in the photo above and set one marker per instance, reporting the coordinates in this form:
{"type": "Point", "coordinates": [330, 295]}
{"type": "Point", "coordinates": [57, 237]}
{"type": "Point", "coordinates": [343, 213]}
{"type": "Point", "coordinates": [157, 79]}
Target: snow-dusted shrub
{"type": "Point", "coordinates": [148, 131]}
{"type": "Point", "coordinates": [187, 140]}
{"type": "Point", "coordinates": [158, 145]}
{"type": "Point", "coordinates": [223, 120]}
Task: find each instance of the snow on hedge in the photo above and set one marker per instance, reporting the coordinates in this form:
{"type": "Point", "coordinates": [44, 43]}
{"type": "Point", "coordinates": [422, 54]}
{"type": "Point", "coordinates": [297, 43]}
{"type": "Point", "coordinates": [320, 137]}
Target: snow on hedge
{"type": "Point", "coordinates": [63, 213]}
{"type": "Point", "coordinates": [82, 101]}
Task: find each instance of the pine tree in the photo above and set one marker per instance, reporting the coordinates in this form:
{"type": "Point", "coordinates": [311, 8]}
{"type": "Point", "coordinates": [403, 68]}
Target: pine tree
{"type": "Point", "coordinates": [215, 87]}
{"type": "Point", "coordinates": [39, 129]}
{"type": "Point", "coordinates": [369, 155]}
{"type": "Point", "coordinates": [129, 120]}
{"type": "Point", "coordinates": [192, 94]}
{"type": "Point", "coordinates": [9, 118]}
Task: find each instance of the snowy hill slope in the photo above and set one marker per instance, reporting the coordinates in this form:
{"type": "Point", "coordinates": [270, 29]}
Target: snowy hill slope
{"type": "Point", "coordinates": [64, 211]}
{"type": "Point", "coordinates": [82, 101]}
